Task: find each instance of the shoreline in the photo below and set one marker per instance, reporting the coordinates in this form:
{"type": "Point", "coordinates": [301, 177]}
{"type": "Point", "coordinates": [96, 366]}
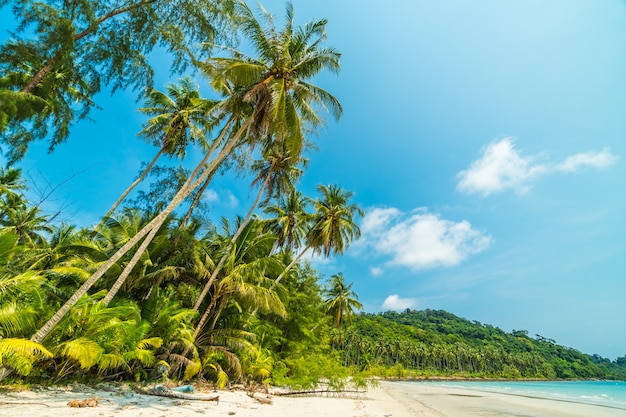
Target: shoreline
{"type": "Point", "coordinates": [390, 398]}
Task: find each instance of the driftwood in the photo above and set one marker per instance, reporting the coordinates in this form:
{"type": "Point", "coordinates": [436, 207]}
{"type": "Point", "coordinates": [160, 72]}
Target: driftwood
{"type": "Point", "coordinates": [318, 391]}
{"type": "Point", "coordinates": [161, 391]}
{"type": "Point", "coordinates": [262, 400]}
{"type": "Point", "coordinates": [22, 403]}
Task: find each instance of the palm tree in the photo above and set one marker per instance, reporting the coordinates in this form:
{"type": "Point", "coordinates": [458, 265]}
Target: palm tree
{"type": "Point", "coordinates": [179, 117]}
{"type": "Point", "coordinates": [289, 220]}
{"type": "Point", "coordinates": [333, 226]}
{"type": "Point", "coordinates": [10, 181]}
{"type": "Point", "coordinates": [276, 173]}
{"type": "Point", "coordinates": [245, 258]}
{"type": "Point", "coordinates": [27, 222]}
{"type": "Point", "coordinates": [21, 304]}
{"type": "Point", "coordinates": [275, 81]}
{"type": "Point", "coordinates": [341, 301]}
{"type": "Point", "coordinates": [289, 59]}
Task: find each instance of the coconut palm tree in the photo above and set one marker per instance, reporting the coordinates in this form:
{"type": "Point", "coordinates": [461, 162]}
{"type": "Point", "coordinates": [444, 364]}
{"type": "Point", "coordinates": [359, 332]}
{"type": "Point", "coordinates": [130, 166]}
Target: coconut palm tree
{"type": "Point", "coordinates": [254, 112]}
{"type": "Point", "coordinates": [334, 227]}
{"type": "Point", "coordinates": [276, 79]}
{"type": "Point", "coordinates": [276, 173]}
{"type": "Point", "coordinates": [244, 272]}
{"type": "Point", "coordinates": [179, 118]}
{"type": "Point", "coordinates": [333, 224]}
{"type": "Point", "coordinates": [10, 181]}
{"type": "Point", "coordinates": [21, 304]}
{"type": "Point", "coordinates": [289, 220]}
{"type": "Point", "coordinates": [341, 301]}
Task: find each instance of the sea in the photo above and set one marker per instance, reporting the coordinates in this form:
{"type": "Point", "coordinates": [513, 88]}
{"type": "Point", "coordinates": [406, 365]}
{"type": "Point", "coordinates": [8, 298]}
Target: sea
{"type": "Point", "coordinates": [604, 393]}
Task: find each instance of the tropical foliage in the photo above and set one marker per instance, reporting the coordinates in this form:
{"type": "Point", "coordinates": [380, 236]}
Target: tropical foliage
{"type": "Point", "coordinates": [159, 289]}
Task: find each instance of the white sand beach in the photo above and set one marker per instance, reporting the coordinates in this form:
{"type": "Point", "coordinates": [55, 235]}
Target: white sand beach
{"type": "Point", "coordinates": [390, 399]}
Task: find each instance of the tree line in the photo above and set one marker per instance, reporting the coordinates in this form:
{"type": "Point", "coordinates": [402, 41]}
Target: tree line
{"type": "Point", "coordinates": [438, 343]}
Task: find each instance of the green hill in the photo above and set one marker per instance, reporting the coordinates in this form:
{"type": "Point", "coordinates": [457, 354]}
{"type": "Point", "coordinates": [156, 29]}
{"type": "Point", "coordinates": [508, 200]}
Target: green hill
{"type": "Point", "coordinates": [430, 342]}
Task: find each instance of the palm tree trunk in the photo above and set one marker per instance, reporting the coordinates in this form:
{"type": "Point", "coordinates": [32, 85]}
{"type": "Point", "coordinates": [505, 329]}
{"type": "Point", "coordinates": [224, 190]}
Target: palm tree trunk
{"type": "Point", "coordinates": [185, 190]}
{"type": "Point", "coordinates": [224, 257]}
{"type": "Point", "coordinates": [295, 261]}
{"type": "Point", "coordinates": [220, 265]}
{"type": "Point", "coordinates": [219, 311]}
{"type": "Point", "coordinates": [196, 199]}
{"type": "Point", "coordinates": [180, 196]}
{"type": "Point", "coordinates": [282, 274]}
{"type": "Point", "coordinates": [203, 320]}
{"type": "Point", "coordinates": [130, 188]}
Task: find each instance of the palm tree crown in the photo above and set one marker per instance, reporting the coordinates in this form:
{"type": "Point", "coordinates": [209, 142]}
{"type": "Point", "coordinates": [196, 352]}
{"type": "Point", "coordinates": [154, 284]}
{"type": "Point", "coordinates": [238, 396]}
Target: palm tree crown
{"type": "Point", "coordinates": [341, 301]}
{"type": "Point", "coordinates": [334, 227]}
{"type": "Point", "coordinates": [274, 82]}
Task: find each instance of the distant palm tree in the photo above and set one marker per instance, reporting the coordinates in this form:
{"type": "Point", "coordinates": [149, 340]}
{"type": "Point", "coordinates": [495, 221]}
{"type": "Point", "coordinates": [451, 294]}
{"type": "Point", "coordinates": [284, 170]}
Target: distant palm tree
{"type": "Point", "coordinates": [289, 220]}
{"type": "Point", "coordinates": [333, 224]}
{"type": "Point", "coordinates": [341, 301]}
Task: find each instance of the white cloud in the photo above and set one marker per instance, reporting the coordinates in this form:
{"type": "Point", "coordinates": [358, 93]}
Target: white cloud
{"type": "Point", "coordinates": [376, 271]}
{"type": "Point", "coordinates": [589, 159]}
{"type": "Point", "coordinates": [394, 302]}
{"type": "Point", "coordinates": [211, 196]}
{"type": "Point", "coordinates": [232, 200]}
{"type": "Point", "coordinates": [378, 219]}
{"type": "Point", "coordinates": [420, 240]}
{"type": "Point", "coordinates": [501, 167]}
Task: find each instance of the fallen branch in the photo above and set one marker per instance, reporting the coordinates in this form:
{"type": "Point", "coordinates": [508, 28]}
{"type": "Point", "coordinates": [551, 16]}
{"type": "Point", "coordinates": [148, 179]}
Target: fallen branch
{"type": "Point", "coordinates": [161, 391]}
{"type": "Point", "coordinates": [22, 403]}
{"type": "Point", "coordinates": [262, 400]}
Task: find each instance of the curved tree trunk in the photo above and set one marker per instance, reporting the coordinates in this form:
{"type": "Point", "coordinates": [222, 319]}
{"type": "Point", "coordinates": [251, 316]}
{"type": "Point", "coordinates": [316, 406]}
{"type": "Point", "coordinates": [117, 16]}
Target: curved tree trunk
{"type": "Point", "coordinates": [287, 268]}
{"type": "Point", "coordinates": [196, 199]}
{"type": "Point", "coordinates": [203, 320]}
{"type": "Point", "coordinates": [185, 190]}
{"type": "Point", "coordinates": [130, 188]}
{"type": "Point", "coordinates": [220, 265]}
{"type": "Point", "coordinates": [295, 261]}
{"type": "Point", "coordinates": [224, 257]}
{"type": "Point", "coordinates": [156, 222]}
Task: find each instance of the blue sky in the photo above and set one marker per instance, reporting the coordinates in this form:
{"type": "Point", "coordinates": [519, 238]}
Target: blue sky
{"type": "Point", "coordinates": [485, 141]}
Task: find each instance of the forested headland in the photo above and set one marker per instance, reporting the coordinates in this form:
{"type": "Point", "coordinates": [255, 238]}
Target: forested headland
{"type": "Point", "coordinates": [158, 289]}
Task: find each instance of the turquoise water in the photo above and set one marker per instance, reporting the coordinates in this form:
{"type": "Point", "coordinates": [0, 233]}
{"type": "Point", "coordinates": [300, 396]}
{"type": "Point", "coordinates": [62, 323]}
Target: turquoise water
{"type": "Point", "coordinates": [605, 393]}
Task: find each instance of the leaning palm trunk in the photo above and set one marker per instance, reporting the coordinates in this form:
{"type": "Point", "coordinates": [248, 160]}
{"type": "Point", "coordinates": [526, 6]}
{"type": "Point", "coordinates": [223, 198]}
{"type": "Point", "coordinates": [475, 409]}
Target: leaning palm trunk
{"type": "Point", "coordinates": [130, 188]}
{"type": "Point", "coordinates": [220, 265]}
{"type": "Point", "coordinates": [287, 268]}
{"type": "Point", "coordinates": [224, 257]}
{"type": "Point", "coordinates": [295, 261]}
{"type": "Point", "coordinates": [196, 199]}
{"type": "Point", "coordinates": [185, 190]}
{"type": "Point", "coordinates": [156, 222]}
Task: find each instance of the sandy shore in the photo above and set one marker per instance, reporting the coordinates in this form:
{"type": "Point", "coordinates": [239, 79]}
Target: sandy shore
{"type": "Point", "coordinates": [390, 399]}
